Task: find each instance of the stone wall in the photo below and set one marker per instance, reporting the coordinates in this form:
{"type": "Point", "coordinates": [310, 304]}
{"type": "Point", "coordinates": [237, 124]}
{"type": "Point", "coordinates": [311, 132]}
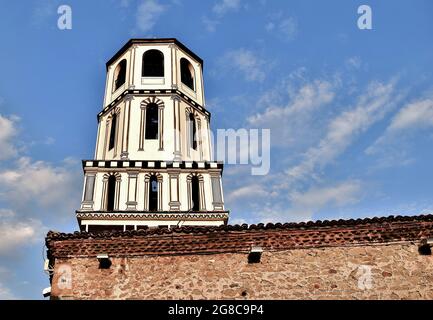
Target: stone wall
{"type": "Point", "coordinates": [397, 271]}
{"type": "Point", "coordinates": [356, 269]}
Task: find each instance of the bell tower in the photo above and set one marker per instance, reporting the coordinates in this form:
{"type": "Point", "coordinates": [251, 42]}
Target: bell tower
{"type": "Point", "coordinates": [153, 157]}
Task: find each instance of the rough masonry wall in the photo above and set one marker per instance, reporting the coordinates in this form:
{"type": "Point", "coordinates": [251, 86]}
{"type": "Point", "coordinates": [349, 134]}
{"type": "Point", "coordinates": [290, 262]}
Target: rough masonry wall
{"type": "Point", "coordinates": [397, 271]}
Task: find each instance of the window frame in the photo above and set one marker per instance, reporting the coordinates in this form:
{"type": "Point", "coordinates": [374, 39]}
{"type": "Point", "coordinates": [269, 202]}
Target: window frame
{"type": "Point", "coordinates": [113, 131]}
{"type": "Point", "coordinates": [154, 125]}
{"type": "Point", "coordinates": [115, 79]}
{"type": "Point", "coordinates": [162, 66]}
{"type": "Point", "coordinates": [191, 71]}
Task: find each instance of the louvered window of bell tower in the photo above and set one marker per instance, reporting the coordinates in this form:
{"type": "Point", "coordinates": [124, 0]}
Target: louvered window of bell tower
{"type": "Point", "coordinates": [193, 131]}
{"type": "Point", "coordinates": [120, 74]}
{"type": "Point", "coordinates": [113, 131]}
{"type": "Point", "coordinates": [153, 194]}
{"type": "Point", "coordinates": [152, 122]}
{"type": "Point", "coordinates": [111, 192]}
{"type": "Point", "coordinates": [195, 193]}
{"type": "Point", "coordinates": [153, 64]}
{"type": "Point", "coordinates": [187, 73]}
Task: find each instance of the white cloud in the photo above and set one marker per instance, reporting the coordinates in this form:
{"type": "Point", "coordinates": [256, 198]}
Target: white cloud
{"type": "Point", "coordinates": [309, 97]}
{"type": "Point", "coordinates": [125, 3]}
{"type": "Point", "coordinates": [237, 221]}
{"type": "Point", "coordinates": [316, 198]}
{"type": "Point", "coordinates": [40, 183]}
{"type": "Point", "coordinates": [414, 115]}
{"type": "Point", "coordinates": [354, 62]}
{"type": "Point", "coordinates": [210, 24]}
{"type": "Point", "coordinates": [16, 233]}
{"type": "Point", "coordinates": [246, 62]}
{"type": "Point", "coordinates": [301, 206]}
{"type": "Point", "coordinates": [219, 9]}
{"type": "Point", "coordinates": [5, 293]}
{"type": "Point", "coordinates": [283, 28]}
{"type": "Point", "coordinates": [270, 26]}
{"type": "Point", "coordinates": [288, 28]}
{"type": "Point", "coordinates": [372, 106]}
{"type": "Point", "coordinates": [225, 6]}
{"type": "Point", "coordinates": [43, 11]}
{"type": "Point", "coordinates": [6, 213]}
{"type": "Point", "coordinates": [8, 131]}
{"type": "Point", "coordinates": [418, 114]}
{"type": "Point", "coordinates": [253, 191]}
{"type": "Point", "coordinates": [148, 12]}
{"type": "Point", "coordinates": [295, 121]}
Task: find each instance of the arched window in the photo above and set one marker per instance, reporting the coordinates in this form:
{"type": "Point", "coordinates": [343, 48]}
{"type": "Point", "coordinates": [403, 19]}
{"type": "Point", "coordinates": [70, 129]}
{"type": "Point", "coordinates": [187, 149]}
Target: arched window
{"type": "Point", "coordinates": [111, 192]}
{"type": "Point", "coordinates": [152, 122]}
{"type": "Point", "coordinates": [195, 193]}
{"type": "Point", "coordinates": [187, 73]}
{"type": "Point", "coordinates": [153, 64]}
{"type": "Point", "coordinates": [120, 74]}
{"type": "Point", "coordinates": [153, 193]}
{"type": "Point", "coordinates": [113, 131]}
{"type": "Point", "coordinates": [193, 131]}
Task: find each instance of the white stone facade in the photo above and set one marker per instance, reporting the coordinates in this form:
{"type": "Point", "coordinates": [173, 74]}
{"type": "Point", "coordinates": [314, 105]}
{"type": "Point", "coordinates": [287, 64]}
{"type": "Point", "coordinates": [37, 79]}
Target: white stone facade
{"type": "Point", "coordinates": [153, 157]}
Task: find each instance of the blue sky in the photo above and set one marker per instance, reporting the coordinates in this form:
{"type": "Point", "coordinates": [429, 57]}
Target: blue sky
{"type": "Point", "coordinates": [350, 110]}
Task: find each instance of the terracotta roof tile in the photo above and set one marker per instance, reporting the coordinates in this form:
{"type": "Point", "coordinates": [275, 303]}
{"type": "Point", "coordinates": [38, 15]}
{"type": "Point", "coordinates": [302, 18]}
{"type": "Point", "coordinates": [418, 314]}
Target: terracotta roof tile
{"type": "Point", "coordinates": [239, 238]}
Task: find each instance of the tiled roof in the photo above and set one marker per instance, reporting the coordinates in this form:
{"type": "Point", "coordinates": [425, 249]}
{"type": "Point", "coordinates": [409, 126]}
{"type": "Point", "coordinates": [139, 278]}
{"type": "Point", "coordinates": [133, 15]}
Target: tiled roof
{"type": "Point", "coordinates": [240, 238]}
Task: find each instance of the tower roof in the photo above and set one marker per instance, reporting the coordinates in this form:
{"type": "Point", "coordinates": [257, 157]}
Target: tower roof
{"type": "Point", "coordinates": [153, 40]}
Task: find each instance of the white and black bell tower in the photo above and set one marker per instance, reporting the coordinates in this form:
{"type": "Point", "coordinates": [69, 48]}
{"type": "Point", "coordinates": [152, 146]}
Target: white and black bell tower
{"type": "Point", "coordinates": [153, 159]}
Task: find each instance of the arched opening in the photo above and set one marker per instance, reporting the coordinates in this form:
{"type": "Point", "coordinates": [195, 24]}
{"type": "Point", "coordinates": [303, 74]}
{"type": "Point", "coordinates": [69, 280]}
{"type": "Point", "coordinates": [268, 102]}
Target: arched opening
{"type": "Point", "coordinates": [120, 74]}
{"type": "Point", "coordinates": [153, 64]}
{"type": "Point", "coordinates": [187, 73]}
{"type": "Point", "coordinates": [195, 193]}
{"type": "Point", "coordinates": [111, 192]}
{"type": "Point", "coordinates": [113, 131]}
{"type": "Point", "coordinates": [193, 131]}
{"type": "Point", "coordinates": [153, 193]}
{"type": "Point", "coordinates": [151, 122]}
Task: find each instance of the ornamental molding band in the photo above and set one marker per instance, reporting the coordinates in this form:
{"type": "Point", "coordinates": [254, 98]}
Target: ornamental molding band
{"type": "Point", "coordinates": [175, 93]}
{"type": "Point", "coordinates": [145, 164]}
{"type": "Point", "coordinates": [145, 215]}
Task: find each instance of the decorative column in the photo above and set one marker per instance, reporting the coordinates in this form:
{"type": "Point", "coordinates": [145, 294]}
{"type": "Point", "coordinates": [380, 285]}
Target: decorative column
{"type": "Point", "coordinates": [177, 136]}
{"type": "Point", "coordinates": [132, 67]}
{"type": "Point", "coordinates": [160, 192]}
{"type": "Point", "coordinates": [142, 127]}
{"type": "Point", "coordinates": [104, 193]}
{"type": "Point", "coordinates": [173, 58]}
{"type": "Point", "coordinates": [209, 140]}
{"type": "Point", "coordinates": [107, 127]}
{"type": "Point", "coordinates": [174, 203]}
{"type": "Point", "coordinates": [202, 193]}
{"type": "Point", "coordinates": [131, 204]}
{"type": "Point", "coordinates": [126, 121]}
{"type": "Point", "coordinates": [161, 127]}
{"type": "Point", "coordinates": [116, 130]}
{"type": "Point", "coordinates": [189, 191]}
{"type": "Point", "coordinates": [97, 139]}
{"type": "Point", "coordinates": [89, 188]}
{"type": "Point", "coordinates": [146, 191]}
{"type": "Point", "coordinates": [215, 178]}
{"type": "Point", "coordinates": [117, 193]}
{"type": "Point", "coordinates": [200, 138]}
{"type": "Point", "coordinates": [188, 132]}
